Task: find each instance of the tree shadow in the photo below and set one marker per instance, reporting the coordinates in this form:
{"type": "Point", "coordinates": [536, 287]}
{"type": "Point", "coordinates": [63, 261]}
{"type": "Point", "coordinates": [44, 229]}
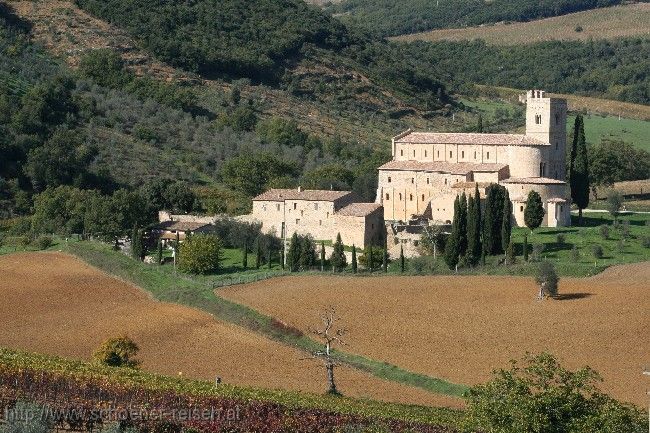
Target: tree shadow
{"type": "Point", "coordinates": [556, 232]}
{"type": "Point", "coordinates": [572, 296]}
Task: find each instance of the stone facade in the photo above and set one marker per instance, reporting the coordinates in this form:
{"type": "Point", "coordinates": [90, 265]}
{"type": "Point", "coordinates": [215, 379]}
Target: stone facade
{"type": "Point", "coordinates": [319, 213]}
{"type": "Point", "coordinates": [427, 168]}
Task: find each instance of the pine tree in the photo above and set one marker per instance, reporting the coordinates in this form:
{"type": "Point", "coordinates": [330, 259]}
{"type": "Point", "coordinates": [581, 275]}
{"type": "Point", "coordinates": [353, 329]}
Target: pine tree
{"type": "Point", "coordinates": [293, 255]}
{"type": "Point", "coordinates": [579, 168]}
{"type": "Point", "coordinates": [506, 222]}
{"type": "Point", "coordinates": [354, 259]}
{"type": "Point", "coordinates": [258, 254]}
{"type": "Point", "coordinates": [526, 247]}
{"type": "Point", "coordinates": [159, 253]}
{"type": "Point", "coordinates": [402, 260]}
{"type": "Point", "coordinates": [452, 247]}
{"type": "Point", "coordinates": [462, 225]}
{"type": "Point", "coordinates": [338, 259]}
{"type": "Point", "coordinates": [534, 212]}
{"type": "Point", "coordinates": [322, 256]}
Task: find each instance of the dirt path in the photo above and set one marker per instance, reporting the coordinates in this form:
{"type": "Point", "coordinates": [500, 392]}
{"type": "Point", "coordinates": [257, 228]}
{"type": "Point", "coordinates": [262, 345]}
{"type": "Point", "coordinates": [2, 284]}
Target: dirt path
{"type": "Point", "coordinates": [461, 328]}
{"type": "Point", "coordinates": [54, 303]}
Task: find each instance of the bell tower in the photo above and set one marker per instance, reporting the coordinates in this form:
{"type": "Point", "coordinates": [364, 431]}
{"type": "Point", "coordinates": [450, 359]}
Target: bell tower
{"type": "Point", "coordinates": [546, 121]}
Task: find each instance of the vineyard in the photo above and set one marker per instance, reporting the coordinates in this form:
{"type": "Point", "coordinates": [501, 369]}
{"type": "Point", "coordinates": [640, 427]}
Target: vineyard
{"type": "Point", "coordinates": [83, 396]}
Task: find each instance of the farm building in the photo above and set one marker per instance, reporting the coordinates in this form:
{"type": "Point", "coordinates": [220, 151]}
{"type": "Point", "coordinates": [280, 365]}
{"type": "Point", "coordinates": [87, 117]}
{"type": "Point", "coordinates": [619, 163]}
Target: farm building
{"type": "Point", "coordinates": [320, 213]}
{"type": "Point", "coordinates": [429, 169]}
{"type": "Point", "coordinates": [172, 225]}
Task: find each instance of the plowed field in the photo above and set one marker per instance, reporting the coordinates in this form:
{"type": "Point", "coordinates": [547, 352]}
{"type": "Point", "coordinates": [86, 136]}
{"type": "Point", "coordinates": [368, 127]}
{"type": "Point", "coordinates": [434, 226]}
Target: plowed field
{"type": "Point", "coordinates": [54, 303]}
{"type": "Point", "coordinates": [461, 328]}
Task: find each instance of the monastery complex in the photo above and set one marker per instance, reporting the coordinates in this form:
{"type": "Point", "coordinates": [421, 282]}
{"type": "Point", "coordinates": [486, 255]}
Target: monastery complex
{"type": "Point", "coordinates": [428, 170]}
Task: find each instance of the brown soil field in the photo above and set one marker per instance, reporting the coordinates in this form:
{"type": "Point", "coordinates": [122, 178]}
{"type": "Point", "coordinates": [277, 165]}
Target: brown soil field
{"type": "Point", "coordinates": [461, 328]}
{"type": "Point", "coordinates": [54, 303]}
{"type": "Point", "coordinates": [606, 23]}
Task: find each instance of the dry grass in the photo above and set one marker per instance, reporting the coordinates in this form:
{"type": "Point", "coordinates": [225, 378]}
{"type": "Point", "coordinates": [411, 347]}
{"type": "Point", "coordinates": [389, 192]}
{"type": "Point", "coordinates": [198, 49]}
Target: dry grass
{"type": "Point", "coordinates": [55, 304]}
{"type": "Point", "coordinates": [461, 328]}
{"type": "Point", "coordinates": [607, 23]}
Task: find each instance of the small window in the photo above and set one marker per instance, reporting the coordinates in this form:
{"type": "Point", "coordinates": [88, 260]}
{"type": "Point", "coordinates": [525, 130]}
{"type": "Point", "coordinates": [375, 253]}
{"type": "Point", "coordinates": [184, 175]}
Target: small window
{"type": "Point", "coordinates": [413, 153]}
{"type": "Point", "coordinates": [438, 154]}
{"type": "Point", "coordinates": [372, 226]}
{"type": "Point", "coordinates": [425, 153]}
{"type": "Point", "coordinates": [422, 197]}
{"type": "Point", "coordinates": [315, 206]}
{"type": "Point", "coordinates": [264, 207]}
{"type": "Point", "coordinates": [277, 207]}
{"type": "Point", "coordinates": [462, 154]}
{"type": "Point", "coordinates": [451, 154]}
{"type": "Point", "coordinates": [427, 181]}
{"type": "Point", "coordinates": [538, 119]}
{"type": "Point", "coordinates": [401, 152]}
{"type": "Point", "coordinates": [445, 181]}
{"type": "Point", "coordinates": [474, 154]}
{"type": "Point", "coordinates": [411, 197]}
{"type": "Point", "coordinates": [521, 208]}
{"type": "Point", "coordinates": [302, 212]}
{"type": "Point", "coordinates": [400, 196]}
{"type": "Point", "coordinates": [297, 220]}
{"type": "Point", "coordinates": [387, 196]}
{"type": "Point", "coordinates": [561, 208]}
{"type": "Point", "coordinates": [320, 222]}
{"type": "Point", "coordinates": [295, 206]}
{"type": "Point", "coordinates": [488, 155]}
{"type": "Point", "coordinates": [389, 179]}
{"type": "Point", "coordinates": [412, 180]}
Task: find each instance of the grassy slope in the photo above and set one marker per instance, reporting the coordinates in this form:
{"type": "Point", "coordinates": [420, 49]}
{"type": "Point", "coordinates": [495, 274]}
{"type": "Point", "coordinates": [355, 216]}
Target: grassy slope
{"type": "Point", "coordinates": [632, 131]}
{"type": "Point", "coordinates": [11, 360]}
{"type": "Point", "coordinates": [608, 23]}
{"type": "Point", "coordinates": [197, 292]}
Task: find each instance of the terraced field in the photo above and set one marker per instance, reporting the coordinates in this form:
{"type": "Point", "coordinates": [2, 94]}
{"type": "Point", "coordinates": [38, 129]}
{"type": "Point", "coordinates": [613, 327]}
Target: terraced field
{"type": "Point", "coordinates": [607, 23]}
{"type": "Point", "coordinates": [53, 303]}
{"type": "Point", "coordinates": [461, 328]}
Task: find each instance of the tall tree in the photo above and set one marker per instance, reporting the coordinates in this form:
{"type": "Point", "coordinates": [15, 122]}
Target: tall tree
{"type": "Point", "coordinates": [534, 212]}
{"type": "Point", "coordinates": [452, 248]}
{"type": "Point", "coordinates": [322, 256]}
{"type": "Point", "coordinates": [293, 255]}
{"type": "Point", "coordinates": [474, 246]}
{"type": "Point", "coordinates": [354, 259]}
{"type": "Point", "coordinates": [258, 253]}
{"type": "Point", "coordinates": [402, 260]}
{"type": "Point", "coordinates": [244, 257]}
{"type": "Point", "coordinates": [579, 168]}
{"type": "Point", "coordinates": [493, 219]}
{"type": "Point", "coordinates": [384, 262]}
{"type": "Point", "coordinates": [462, 225]}
{"type": "Point", "coordinates": [506, 222]}
{"type": "Point", "coordinates": [338, 259]}
{"type": "Point", "coordinates": [479, 126]}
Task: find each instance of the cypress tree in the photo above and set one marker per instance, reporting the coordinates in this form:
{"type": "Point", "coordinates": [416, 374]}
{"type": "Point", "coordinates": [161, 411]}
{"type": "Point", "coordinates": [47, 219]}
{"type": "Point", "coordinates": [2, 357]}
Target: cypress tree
{"type": "Point", "coordinates": [526, 247]}
{"type": "Point", "coordinates": [371, 262]}
{"type": "Point", "coordinates": [135, 243]}
{"type": "Point", "coordinates": [244, 258]}
{"type": "Point", "coordinates": [479, 126]}
{"type": "Point", "coordinates": [268, 257]}
{"type": "Point", "coordinates": [462, 225]}
{"type": "Point", "coordinates": [159, 253]}
{"type": "Point", "coordinates": [473, 230]}
{"type": "Point", "coordinates": [354, 259]}
{"type": "Point", "coordinates": [579, 168]}
{"type": "Point", "coordinates": [506, 223]}
{"type": "Point", "coordinates": [452, 248]}
{"type": "Point", "coordinates": [534, 212]}
{"type": "Point", "coordinates": [338, 259]}
{"type": "Point", "coordinates": [322, 256]}
{"type": "Point", "coordinates": [384, 263]}
{"type": "Point", "coordinates": [293, 255]}
{"type": "Point", "coordinates": [493, 219]}
{"type": "Point", "coordinates": [282, 254]}
{"type": "Point", "coordinates": [402, 261]}
{"type": "Point", "coordinates": [258, 254]}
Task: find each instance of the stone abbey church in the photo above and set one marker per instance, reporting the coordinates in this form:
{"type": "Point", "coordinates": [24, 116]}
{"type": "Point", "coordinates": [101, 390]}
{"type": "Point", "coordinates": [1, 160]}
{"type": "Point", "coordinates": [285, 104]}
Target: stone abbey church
{"type": "Point", "coordinates": [427, 172]}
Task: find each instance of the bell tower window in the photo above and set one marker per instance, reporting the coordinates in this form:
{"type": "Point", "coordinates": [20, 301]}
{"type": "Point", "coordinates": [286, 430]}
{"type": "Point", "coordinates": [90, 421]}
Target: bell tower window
{"type": "Point", "coordinates": [538, 119]}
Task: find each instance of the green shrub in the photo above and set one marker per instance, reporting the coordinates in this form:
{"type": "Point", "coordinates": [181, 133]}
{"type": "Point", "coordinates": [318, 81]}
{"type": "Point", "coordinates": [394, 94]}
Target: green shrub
{"type": "Point", "coordinates": [620, 246]}
{"type": "Point", "coordinates": [597, 251]}
{"type": "Point", "coordinates": [560, 238]}
{"type": "Point", "coordinates": [578, 29]}
{"type": "Point", "coordinates": [422, 265]}
{"type": "Point", "coordinates": [575, 254]}
{"type": "Point", "coordinates": [538, 249]}
{"type": "Point", "coordinates": [645, 241]}
{"type": "Point", "coordinates": [604, 231]}
{"type": "Point", "coordinates": [117, 352]}
{"type": "Point", "coordinates": [43, 242]}
{"type": "Point", "coordinates": [200, 254]}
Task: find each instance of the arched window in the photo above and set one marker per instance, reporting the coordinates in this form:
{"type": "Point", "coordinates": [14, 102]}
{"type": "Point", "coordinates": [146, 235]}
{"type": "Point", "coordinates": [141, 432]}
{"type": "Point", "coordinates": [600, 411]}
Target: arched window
{"type": "Point", "coordinates": [400, 196]}
{"type": "Point", "coordinates": [411, 197]}
{"type": "Point", "coordinates": [538, 119]}
{"type": "Point", "coordinates": [387, 196]}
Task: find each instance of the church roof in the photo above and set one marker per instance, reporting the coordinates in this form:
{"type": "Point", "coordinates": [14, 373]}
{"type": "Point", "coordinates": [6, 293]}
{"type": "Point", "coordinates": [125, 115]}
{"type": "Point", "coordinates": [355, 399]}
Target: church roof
{"type": "Point", "coordinates": [443, 167]}
{"type": "Point", "coordinates": [468, 138]}
{"type": "Point", "coordinates": [301, 194]}
{"type": "Point", "coordinates": [359, 209]}
{"type": "Point", "coordinates": [534, 180]}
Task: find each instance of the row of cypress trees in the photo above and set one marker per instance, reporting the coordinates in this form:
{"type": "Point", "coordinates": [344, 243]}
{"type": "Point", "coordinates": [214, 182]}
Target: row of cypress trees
{"type": "Point", "coordinates": [475, 234]}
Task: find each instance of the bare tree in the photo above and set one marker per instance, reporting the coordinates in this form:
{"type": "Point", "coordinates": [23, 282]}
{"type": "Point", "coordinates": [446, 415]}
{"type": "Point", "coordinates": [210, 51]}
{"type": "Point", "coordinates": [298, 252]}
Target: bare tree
{"type": "Point", "coordinates": [329, 335]}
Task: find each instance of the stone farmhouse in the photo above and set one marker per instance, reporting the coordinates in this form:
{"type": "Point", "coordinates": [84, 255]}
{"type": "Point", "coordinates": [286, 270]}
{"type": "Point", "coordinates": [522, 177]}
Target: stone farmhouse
{"type": "Point", "coordinates": [320, 213]}
{"type": "Point", "coordinates": [430, 169]}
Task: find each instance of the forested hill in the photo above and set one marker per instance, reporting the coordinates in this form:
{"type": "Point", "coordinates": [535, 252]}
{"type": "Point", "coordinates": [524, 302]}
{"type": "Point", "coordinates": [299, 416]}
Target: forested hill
{"type": "Point", "coordinates": [399, 17]}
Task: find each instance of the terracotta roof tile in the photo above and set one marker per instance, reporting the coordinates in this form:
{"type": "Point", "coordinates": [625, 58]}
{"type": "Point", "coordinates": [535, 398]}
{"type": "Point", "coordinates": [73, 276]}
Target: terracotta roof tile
{"type": "Point", "coordinates": [182, 226]}
{"type": "Point", "coordinates": [534, 180]}
{"type": "Point", "coordinates": [471, 184]}
{"type": "Point", "coordinates": [468, 138]}
{"type": "Point", "coordinates": [359, 209]}
{"type": "Point", "coordinates": [443, 167]}
{"type": "Point", "coordinates": [306, 194]}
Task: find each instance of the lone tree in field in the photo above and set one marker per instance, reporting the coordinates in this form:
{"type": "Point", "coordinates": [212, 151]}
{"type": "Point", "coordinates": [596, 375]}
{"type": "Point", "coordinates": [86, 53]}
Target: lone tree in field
{"type": "Point", "coordinates": [329, 336]}
{"type": "Point", "coordinates": [534, 212]}
{"type": "Point", "coordinates": [547, 280]}
{"type": "Point", "coordinates": [338, 259]}
{"type": "Point", "coordinates": [614, 203]}
{"type": "Point", "coordinates": [579, 168]}
{"type": "Point", "coordinates": [117, 352]}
